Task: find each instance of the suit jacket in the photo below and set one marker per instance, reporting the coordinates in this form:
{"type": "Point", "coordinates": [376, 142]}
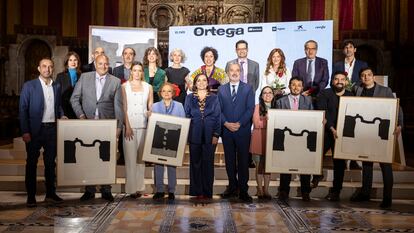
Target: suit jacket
{"type": "Point", "coordinates": [91, 67]}
{"type": "Point", "coordinates": [241, 110]}
{"type": "Point", "coordinates": [63, 79]}
{"type": "Point", "coordinates": [253, 74]}
{"type": "Point", "coordinates": [359, 65]}
{"type": "Point", "coordinates": [203, 129]}
{"type": "Point", "coordinates": [328, 101]}
{"type": "Point", "coordinates": [31, 106]}
{"type": "Point", "coordinates": [109, 105]}
{"type": "Point", "coordinates": [321, 74]}
{"type": "Point", "coordinates": [119, 73]}
{"type": "Point", "coordinates": [305, 103]}
{"type": "Point", "coordinates": [381, 91]}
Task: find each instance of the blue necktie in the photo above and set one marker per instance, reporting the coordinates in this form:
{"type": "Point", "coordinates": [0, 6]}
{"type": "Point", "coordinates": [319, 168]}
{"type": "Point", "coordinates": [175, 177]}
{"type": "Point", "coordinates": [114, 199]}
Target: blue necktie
{"type": "Point", "coordinates": [233, 93]}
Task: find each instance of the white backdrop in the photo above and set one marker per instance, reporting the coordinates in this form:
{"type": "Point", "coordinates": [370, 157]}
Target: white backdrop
{"type": "Point", "coordinates": [262, 38]}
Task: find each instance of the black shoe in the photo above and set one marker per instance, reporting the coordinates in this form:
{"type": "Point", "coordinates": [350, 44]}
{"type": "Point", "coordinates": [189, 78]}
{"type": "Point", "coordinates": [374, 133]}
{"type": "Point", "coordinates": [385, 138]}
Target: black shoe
{"type": "Point", "coordinates": [171, 196]}
{"type": "Point", "coordinates": [333, 196]}
{"type": "Point", "coordinates": [31, 202]}
{"type": "Point", "coordinates": [315, 181]}
{"type": "Point", "coordinates": [135, 195]}
{"type": "Point", "coordinates": [252, 165]}
{"type": "Point", "coordinates": [229, 193]}
{"type": "Point", "coordinates": [386, 203]}
{"type": "Point", "coordinates": [158, 196]}
{"type": "Point", "coordinates": [108, 196]}
{"type": "Point", "coordinates": [53, 198]}
{"type": "Point", "coordinates": [87, 196]}
{"type": "Point", "coordinates": [359, 197]}
{"type": "Point", "coordinates": [245, 198]}
{"type": "Point", "coordinates": [282, 196]}
{"type": "Point", "coordinates": [353, 165]}
{"type": "Point", "coordinates": [306, 197]}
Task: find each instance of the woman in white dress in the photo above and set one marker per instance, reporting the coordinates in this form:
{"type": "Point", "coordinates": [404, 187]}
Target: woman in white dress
{"type": "Point", "coordinates": [277, 75]}
{"type": "Point", "coordinates": [137, 102]}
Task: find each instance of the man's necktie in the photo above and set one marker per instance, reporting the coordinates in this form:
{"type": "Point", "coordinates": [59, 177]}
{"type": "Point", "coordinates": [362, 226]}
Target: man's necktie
{"type": "Point", "coordinates": [242, 72]}
{"type": "Point", "coordinates": [233, 93]}
{"type": "Point", "coordinates": [310, 71]}
{"type": "Point", "coordinates": [295, 103]}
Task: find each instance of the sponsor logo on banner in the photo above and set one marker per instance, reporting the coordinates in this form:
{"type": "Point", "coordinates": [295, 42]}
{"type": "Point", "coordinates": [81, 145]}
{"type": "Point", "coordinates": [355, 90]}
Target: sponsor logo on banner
{"type": "Point", "coordinates": [277, 29]}
{"type": "Point", "coordinates": [179, 32]}
{"type": "Point", "coordinates": [300, 28]}
{"type": "Point", "coordinates": [255, 29]}
{"type": "Point", "coordinates": [228, 32]}
{"type": "Point", "coordinates": [320, 27]}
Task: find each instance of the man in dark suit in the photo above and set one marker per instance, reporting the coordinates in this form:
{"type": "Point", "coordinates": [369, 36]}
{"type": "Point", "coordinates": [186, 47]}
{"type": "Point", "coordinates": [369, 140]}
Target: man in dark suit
{"type": "Point", "coordinates": [97, 95]}
{"type": "Point", "coordinates": [249, 69]}
{"type": "Point", "coordinates": [123, 72]}
{"type": "Point", "coordinates": [91, 66]}
{"type": "Point", "coordinates": [312, 70]}
{"type": "Point", "coordinates": [369, 88]}
{"type": "Point", "coordinates": [350, 65]}
{"type": "Point", "coordinates": [328, 100]}
{"type": "Point", "coordinates": [249, 72]}
{"type": "Point", "coordinates": [237, 106]}
{"type": "Point", "coordinates": [39, 109]}
{"type": "Point", "coordinates": [294, 101]}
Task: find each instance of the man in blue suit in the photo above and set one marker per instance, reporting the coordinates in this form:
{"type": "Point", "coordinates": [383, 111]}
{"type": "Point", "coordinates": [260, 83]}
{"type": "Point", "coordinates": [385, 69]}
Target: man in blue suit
{"type": "Point", "coordinates": [39, 109]}
{"type": "Point", "coordinates": [312, 70]}
{"type": "Point", "coordinates": [350, 65]}
{"type": "Point", "coordinates": [237, 106]}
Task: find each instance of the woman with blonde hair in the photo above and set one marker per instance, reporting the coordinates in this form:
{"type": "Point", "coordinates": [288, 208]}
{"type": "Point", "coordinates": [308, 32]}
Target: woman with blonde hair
{"type": "Point", "coordinates": [137, 103]}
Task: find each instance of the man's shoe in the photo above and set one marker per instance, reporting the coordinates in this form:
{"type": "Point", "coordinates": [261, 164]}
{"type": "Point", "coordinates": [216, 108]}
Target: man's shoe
{"type": "Point", "coordinates": [333, 196]}
{"type": "Point", "coordinates": [135, 195]}
{"type": "Point", "coordinates": [359, 197]}
{"type": "Point", "coordinates": [87, 196]}
{"type": "Point", "coordinates": [306, 197]}
{"type": "Point", "coordinates": [31, 202]}
{"type": "Point", "coordinates": [229, 193]}
{"type": "Point", "coordinates": [245, 198]}
{"type": "Point", "coordinates": [315, 181]}
{"type": "Point", "coordinates": [282, 196]}
{"type": "Point", "coordinates": [171, 196]}
{"type": "Point", "coordinates": [386, 203]}
{"type": "Point", "coordinates": [53, 198]}
{"type": "Point", "coordinates": [158, 196]}
{"type": "Point", "coordinates": [108, 196]}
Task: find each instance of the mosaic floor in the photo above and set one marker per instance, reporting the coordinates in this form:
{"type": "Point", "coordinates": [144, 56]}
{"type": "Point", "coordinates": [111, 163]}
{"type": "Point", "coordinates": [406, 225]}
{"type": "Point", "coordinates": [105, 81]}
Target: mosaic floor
{"type": "Point", "coordinates": [187, 215]}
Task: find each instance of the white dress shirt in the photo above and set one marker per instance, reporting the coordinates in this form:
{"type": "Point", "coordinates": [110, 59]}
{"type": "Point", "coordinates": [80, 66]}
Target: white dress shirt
{"type": "Point", "coordinates": [49, 101]}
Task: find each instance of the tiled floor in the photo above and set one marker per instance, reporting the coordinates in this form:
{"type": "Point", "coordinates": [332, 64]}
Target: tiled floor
{"type": "Point", "coordinates": [187, 215]}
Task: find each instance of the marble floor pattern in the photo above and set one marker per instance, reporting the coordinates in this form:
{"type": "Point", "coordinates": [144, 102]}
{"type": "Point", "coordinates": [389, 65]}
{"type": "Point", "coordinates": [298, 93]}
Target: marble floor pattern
{"type": "Point", "coordinates": [189, 215]}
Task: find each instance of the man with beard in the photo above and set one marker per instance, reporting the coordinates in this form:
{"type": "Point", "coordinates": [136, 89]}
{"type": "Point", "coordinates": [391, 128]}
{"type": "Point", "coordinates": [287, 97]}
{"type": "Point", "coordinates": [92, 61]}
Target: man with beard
{"type": "Point", "coordinates": [328, 100]}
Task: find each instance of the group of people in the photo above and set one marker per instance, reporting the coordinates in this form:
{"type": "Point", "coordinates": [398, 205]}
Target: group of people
{"type": "Point", "coordinates": [219, 102]}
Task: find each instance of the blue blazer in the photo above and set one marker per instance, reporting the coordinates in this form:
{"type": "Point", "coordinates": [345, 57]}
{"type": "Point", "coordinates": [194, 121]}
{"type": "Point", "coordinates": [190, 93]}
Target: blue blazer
{"type": "Point", "coordinates": [321, 74]}
{"type": "Point", "coordinates": [32, 106]}
{"type": "Point", "coordinates": [359, 65]}
{"type": "Point", "coordinates": [241, 110]}
{"type": "Point", "coordinates": [202, 130]}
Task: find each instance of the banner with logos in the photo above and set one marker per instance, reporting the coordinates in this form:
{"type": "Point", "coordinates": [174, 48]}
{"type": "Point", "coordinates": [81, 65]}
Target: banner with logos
{"type": "Point", "coordinates": [262, 38]}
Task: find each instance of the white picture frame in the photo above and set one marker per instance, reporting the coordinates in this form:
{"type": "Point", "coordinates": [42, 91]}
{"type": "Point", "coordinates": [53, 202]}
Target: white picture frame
{"type": "Point", "coordinates": [115, 39]}
{"type": "Point", "coordinates": [288, 150]}
{"type": "Point", "coordinates": [365, 129]}
{"type": "Point", "coordinates": [86, 152]}
{"type": "Point", "coordinates": [165, 139]}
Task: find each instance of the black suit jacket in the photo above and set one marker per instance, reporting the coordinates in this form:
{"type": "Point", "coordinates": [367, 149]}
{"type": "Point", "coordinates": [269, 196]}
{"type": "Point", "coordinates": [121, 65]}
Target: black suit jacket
{"type": "Point", "coordinates": [358, 66]}
{"type": "Point", "coordinates": [119, 73]}
{"type": "Point", "coordinates": [64, 80]}
{"type": "Point", "coordinates": [321, 74]}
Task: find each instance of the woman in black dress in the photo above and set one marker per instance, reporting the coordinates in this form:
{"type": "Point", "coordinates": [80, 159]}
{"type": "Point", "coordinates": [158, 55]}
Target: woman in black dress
{"type": "Point", "coordinates": [178, 74]}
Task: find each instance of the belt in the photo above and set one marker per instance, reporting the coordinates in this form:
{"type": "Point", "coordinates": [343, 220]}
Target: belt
{"type": "Point", "coordinates": [48, 124]}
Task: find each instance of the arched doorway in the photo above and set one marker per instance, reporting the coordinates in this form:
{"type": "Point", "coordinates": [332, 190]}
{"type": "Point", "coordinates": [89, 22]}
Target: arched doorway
{"type": "Point", "coordinates": [36, 50]}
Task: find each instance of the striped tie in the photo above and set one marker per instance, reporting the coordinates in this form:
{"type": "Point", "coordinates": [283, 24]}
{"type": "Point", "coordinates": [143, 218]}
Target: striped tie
{"type": "Point", "coordinates": [233, 93]}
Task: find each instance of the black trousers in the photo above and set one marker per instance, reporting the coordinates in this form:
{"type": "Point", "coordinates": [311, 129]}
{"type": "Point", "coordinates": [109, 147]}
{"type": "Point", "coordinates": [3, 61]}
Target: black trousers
{"type": "Point", "coordinates": [201, 169]}
{"type": "Point", "coordinates": [47, 140]}
{"type": "Point", "coordinates": [387, 179]}
{"type": "Point", "coordinates": [339, 164]}
{"type": "Point", "coordinates": [304, 183]}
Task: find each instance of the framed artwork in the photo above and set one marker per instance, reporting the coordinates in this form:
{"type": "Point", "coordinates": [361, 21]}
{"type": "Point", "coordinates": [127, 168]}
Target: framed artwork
{"type": "Point", "coordinates": [294, 141]}
{"type": "Point", "coordinates": [365, 129]}
{"type": "Point", "coordinates": [86, 152]}
{"type": "Point", "coordinates": [165, 139]}
{"type": "Point", "coordinates": [114, 39]}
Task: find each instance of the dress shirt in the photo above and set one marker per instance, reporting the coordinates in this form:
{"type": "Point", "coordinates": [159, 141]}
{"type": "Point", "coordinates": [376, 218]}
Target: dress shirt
{"type": "Point", "coordinates": [243, 68]}
{"type": "Point", "coordinates": [349, 68]}
{"type": "Point", "coordinates": [236, 86]}
{"type": "Point", "coordinates": [49, 102]}
{"type": "Point", "coordinates": [99, 82]}
{"type": "Point", "coordinates": [291, 101]}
